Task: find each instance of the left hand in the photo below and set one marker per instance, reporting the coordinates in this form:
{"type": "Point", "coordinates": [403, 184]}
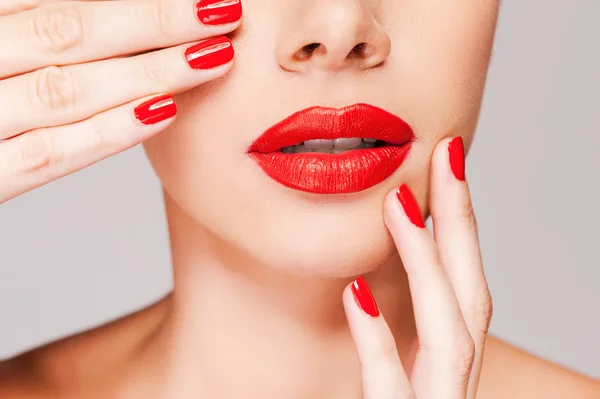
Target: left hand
{"type": "Point", "coordinates": [450, 295]}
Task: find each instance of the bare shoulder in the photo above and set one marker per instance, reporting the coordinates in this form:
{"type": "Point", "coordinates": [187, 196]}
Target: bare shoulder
{"type": "Point", "coordinates": [82, 359]}
{"type": "Point", "coordinates": [509, 372]}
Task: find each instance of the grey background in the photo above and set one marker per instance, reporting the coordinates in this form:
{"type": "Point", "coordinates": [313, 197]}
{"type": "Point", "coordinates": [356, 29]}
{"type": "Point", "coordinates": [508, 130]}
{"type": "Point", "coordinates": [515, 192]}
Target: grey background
{"type": "Point", "coordinates": [90, 247]}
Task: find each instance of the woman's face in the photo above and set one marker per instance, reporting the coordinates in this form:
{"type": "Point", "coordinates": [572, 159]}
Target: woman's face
{"type": "Point", "coordinates": [424, 61]}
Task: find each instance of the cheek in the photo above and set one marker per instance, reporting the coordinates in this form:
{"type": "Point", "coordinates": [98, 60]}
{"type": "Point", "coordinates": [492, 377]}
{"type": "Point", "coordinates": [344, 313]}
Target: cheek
{"type": "Point", "coordinates": [434, 78]}
{"type": "Point", "coordinates": [441, 54]}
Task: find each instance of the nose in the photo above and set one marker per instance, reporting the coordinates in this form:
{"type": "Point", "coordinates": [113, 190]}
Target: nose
{"type": "Point", "coordinates": [332, 35]}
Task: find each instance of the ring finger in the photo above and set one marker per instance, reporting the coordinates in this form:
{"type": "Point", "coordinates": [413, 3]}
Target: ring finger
{"type": "Point", "coordinates": [59, 95]}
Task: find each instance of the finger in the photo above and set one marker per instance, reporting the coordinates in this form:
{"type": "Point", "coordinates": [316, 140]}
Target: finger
{"type": "Point", "coordinates": [74, 32]}
{"type": "Point", "coordinates": [40, 156]}
{"type": "Point", "coordinates": [382, 373]}
{"type": "Point", "coordinates": [15, 6]}
{"type": "Point", "coordinates": [61, 95]}
{"type": "Point", "coordinates": [458, 243]}
{"type": "Point", "coordinates": [444, 357]}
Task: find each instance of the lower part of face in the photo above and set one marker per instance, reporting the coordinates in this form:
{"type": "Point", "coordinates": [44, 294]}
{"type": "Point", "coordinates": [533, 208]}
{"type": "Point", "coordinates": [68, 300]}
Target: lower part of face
{"type": "Point", "coordinates": [427, 63]}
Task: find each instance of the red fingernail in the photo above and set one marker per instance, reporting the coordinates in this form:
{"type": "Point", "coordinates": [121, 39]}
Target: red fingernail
{"type": "Point", "coordinates": [210, 53]}
{"type": "Point", "coordinates": [364, 297]}
{"type": "Point", "coordinates": [410, 205]}
{"type": "Point", "coordinates": [456, 153]}
{"type": "Point", "coordinates": [218, 12]}
{"type": "Point", "coordinates": [156, 110]}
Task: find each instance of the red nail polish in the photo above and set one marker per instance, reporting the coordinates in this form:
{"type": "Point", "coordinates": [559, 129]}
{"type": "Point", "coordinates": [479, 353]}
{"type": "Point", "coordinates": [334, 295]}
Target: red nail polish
{"type": "Point", "coordinates": [410, 205]}
{"type": "Point", "coordinates": [156, 110]}
{"type": "Point", "coordinates": [210, 53]}
{"type": "Point", "coordinates": [218, 12]}
{"type": "Point", "coordinates": [364, 297]}
{"type": "Point", "coordinates": [456, 153]}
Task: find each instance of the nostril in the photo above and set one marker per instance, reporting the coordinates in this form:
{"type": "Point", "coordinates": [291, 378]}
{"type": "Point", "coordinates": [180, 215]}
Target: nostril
{"type": "Point", "coordinates": [311, 47]}
{"type": "Point", "coordinates": [359, 48]}
{"type": "Point", "coordinates": [306, 51]}
{"type": "Point", "coordinates": [362, 50]}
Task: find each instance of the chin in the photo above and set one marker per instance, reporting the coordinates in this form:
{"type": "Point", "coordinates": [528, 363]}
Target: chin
{"type": "Point", "coordinates": [273, 226]}
{"type": "Point", "coordinates": [332, 240]}
{"type": "Point", "coordinates": [260, 221]}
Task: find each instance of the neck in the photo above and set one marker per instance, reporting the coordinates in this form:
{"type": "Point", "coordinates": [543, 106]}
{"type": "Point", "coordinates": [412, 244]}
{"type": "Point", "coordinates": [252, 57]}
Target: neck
{"type": "Point", "coordinates": [276, 333]}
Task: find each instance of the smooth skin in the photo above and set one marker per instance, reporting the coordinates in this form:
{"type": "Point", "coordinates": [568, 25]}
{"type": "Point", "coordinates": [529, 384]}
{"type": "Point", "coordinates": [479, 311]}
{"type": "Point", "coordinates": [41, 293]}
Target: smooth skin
{"type": "Point", "coordinates": [63, 118]}
{"type": "Point", "coordinates": [229, 331]}
{"type": "Point", "coordinates": [452, 304]}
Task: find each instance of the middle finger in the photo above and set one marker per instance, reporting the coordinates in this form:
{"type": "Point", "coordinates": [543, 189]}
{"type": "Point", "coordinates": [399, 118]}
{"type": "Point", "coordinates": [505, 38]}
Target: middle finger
{"type": "Point", "coordinates": [74, 31]}
{"type": "Point", "coordinates": [444, 358]}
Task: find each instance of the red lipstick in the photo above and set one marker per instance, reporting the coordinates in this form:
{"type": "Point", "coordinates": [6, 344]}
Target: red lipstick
{"type": "Point", "coordinates": [347, 172]}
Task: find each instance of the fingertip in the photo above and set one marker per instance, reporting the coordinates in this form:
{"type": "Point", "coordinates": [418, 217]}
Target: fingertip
{"type": "Point", "coordinates": [158, 111]}
{"type": "Point", "coordinates": [448, 160]}
{"type": "Point", "coordinates": [363, 297]}
{"type": "Point", "coordinates": [347, 297]}
{"type": "Point", "coordinates": [391, 208]}
{"type": "Point", "coordinates": [456, 157]}
{"type": "Point", "coordinates": [439, 159]}
{"type": "Point", "coordinates": [351, 307]}
{"type": "Point", "coordinates": [406, 206]}
{"type": "Point", "coordinates": [215, 54]}
{"type": "Point", "coordinates": [449, 195]}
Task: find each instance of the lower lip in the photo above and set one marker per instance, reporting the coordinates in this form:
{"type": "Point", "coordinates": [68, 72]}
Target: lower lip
{"type": "Point", "coordinates": [320, 173]}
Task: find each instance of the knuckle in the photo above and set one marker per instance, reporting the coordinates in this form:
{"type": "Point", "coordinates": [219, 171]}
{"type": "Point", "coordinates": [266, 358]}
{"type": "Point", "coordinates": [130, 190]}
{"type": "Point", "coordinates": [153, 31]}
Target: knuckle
{"type": "Point", "coordinates": [160, 16]}
{"type": "Point", "coordinates": [466, 210]}
{"type": "Point", "coordinates": [102, 138]}
{"type": "Point", "coordinates": [389, 354]}
{"type": "Point", "coordinates": [484, 310]}
{"type": "Point", "coordinates": [383, 352]}
{"type": "Point", "coordinates": [98, 137]}
{"type": "Point", "coordinates": [59, 28]}
{"type": "Point", "coordinates": [465, 357]}
{"type": "Point", "coordinates": [155, 72]}
{"type": "Point", "coordinates": [467, 213]}
{"type": "Point", "coordinates": [55, 89]}
{"type": "Point", "coordinates": [39, 151]}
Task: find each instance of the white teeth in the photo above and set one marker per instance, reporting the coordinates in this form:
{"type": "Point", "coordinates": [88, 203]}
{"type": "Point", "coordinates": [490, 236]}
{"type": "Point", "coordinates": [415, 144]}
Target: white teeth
{"type": "Point", "coordinates": [330, 146]}
{"type": "Point", "coordinates": [318, 143]}
{"type": "Point", "coordinates": [347, 143]}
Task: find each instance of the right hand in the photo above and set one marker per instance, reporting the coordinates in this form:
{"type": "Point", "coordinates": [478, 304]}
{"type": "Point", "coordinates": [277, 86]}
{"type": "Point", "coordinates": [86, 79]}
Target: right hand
{"type": "Point", "coordinates": [71, 91]}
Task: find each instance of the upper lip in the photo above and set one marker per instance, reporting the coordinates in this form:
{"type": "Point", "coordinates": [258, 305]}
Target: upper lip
{"type": "Point", "coordinates": [358, 120]}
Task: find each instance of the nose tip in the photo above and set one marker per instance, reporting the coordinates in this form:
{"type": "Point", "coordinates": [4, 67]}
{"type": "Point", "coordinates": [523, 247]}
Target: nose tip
{"type": "Point", "coordinates": [334, 35]}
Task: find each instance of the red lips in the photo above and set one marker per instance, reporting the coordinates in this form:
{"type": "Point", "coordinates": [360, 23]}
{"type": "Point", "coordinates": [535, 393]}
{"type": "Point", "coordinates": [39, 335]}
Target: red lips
{"type": "Point", "coordinates": [320, 173]}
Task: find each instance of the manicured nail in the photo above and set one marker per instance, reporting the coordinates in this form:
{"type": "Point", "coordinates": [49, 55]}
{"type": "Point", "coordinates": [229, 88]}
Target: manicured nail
{"type": "Point", "coordinates": [364, 297]}
{"type": "Point", "coordinates": [210, 53]}
{"type": "Point", "coordinates": [218, 12]}
{"type": "Point", "coordinates": [456, 153]}
{"type": "Point", "coordinates": [410, 205]}
{"type": "Point", "coordinates": [156, 110]}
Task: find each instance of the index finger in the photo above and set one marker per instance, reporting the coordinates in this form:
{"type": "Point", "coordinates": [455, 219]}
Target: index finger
{"type": "Point", "coordinates": [74, 31]}
{"type": "Point", "coordinates": [383, 375]}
